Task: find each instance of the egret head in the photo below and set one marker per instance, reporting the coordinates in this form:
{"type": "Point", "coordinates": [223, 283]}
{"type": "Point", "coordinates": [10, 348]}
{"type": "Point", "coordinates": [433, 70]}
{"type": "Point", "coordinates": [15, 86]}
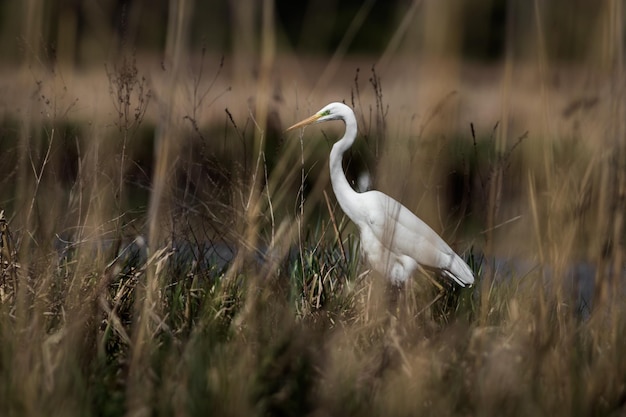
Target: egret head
{"type": "Point", "coordinates": [332, 111]}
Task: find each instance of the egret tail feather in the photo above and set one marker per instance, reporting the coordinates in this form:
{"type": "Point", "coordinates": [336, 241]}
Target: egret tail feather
{"type": "Point", "coordinates": [460, 272]}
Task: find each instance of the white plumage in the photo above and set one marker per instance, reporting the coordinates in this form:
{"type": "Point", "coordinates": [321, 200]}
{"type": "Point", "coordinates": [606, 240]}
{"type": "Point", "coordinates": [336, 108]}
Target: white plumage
{"type": "Point", "coordinates": [393, 239]}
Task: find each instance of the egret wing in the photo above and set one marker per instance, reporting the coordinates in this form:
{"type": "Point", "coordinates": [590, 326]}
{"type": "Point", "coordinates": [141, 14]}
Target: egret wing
{"type": "Point", "coordinates": [404, 233]}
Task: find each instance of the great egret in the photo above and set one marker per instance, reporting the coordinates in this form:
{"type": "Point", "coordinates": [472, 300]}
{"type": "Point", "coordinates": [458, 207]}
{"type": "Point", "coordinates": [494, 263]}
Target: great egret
{"type": "Point", "coordinates": [393, 239]}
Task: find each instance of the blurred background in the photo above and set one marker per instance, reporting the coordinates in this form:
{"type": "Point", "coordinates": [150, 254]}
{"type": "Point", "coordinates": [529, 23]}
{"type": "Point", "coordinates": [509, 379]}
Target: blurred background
{"type": "Point", "coordinates": [459, 84]}
{"type": "Point", "coordinates": [311, 45]}
{"type": "Point", "coordinates": [83, 34]}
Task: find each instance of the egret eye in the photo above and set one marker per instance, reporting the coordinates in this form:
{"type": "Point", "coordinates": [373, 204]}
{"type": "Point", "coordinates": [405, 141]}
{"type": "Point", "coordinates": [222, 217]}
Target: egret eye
{"type": "Point", "coordinates": [325, 113]}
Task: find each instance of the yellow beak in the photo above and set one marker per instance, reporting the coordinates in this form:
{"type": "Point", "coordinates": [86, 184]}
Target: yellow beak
{"type": "Point", "coordinates": [305, 122]}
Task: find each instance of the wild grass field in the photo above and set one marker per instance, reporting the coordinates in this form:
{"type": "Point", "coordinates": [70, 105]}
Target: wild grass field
{"type": "Point", "coordinates": [166, 249]}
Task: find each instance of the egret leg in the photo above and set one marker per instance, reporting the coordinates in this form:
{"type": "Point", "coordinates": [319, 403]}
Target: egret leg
{"type": "Point", "coordinates": [395, 293]}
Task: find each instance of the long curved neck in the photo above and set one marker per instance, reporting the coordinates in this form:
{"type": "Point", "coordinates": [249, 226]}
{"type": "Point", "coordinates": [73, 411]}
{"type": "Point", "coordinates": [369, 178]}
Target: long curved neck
{"type": "Point", "coordinates": [345, 195]}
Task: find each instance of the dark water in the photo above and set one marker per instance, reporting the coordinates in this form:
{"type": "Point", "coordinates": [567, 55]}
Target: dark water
{"type": "Point", "coordinates": [578, 282]}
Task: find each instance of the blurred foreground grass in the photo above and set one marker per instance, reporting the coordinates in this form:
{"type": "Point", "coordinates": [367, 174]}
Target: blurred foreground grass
{"type": "Point", "coordinates": [241, 296]}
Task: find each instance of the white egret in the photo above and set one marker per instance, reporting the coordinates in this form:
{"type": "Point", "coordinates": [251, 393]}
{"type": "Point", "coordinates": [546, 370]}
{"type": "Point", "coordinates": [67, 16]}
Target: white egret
{"type": "Point", "coordinates": [393, 239]}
